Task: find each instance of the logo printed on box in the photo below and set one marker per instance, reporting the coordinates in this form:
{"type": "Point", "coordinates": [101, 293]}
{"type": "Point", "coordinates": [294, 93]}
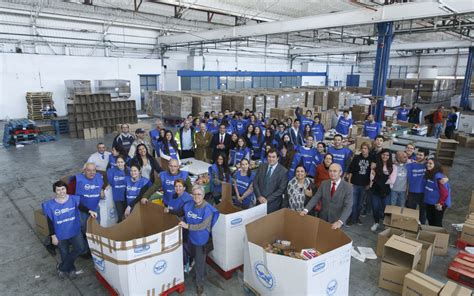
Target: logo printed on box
{"type": "Point", "coordinates": [141, 249]}
{"type": "Point", "coordinates": [264, 276]}
{"type": "Point", "coordinates": [159, 267]}
{"type": "Point", "coordinates": [319, 267]}
{"type": "Point", "coordinates": [236, 222]}
{"type": "Point", "coordinates": [99, 263]}
{"type": "Point", "coordinates": [331, 288]}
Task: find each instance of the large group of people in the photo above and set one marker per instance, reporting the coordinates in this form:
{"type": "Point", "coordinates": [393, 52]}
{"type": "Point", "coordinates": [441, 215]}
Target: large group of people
{"type": "Point", "coordinates": [297, 169]}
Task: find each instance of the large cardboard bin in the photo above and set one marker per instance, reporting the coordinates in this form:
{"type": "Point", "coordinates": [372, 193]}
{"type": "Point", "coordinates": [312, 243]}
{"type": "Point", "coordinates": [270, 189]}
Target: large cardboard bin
{"type": "Point", "coordinates": [143, 255]}
{"type": "Point", "coordinates": [273, 274]}
{"type": "Point", "coordinates": [228, 234]}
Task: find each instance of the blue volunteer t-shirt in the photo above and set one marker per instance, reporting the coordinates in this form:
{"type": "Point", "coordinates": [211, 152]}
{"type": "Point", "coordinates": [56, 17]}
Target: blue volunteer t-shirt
{"type": "Point", "coordinates": [133, 188]}
{"type": "Point", "coordinates": [243, 184]}
{"type": "Point", "coordinates": [402, 114]}
{"type": "Point", "coordinates": [318, 132]}
{"type": "Point", "coordinates": [372, 130]}
{"type": "Point", "coordinates": [343, 126]}
{"type": "Point", "coordinates": [89, 190]}
{"type": "Point", "coordinates": [340, 156]}
{"type": "Point", "coordinates": [65, 217]}
{"type": "Point", "coordinates": [116, 178]}
{"type": "Point", "coordinates": [416, 177]}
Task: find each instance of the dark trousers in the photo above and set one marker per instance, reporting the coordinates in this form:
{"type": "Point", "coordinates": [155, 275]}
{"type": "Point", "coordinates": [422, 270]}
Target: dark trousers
{"type": "Point", "coordinates": [68, 256]}
{"type": "Point", "coordinates": [198, 253]}
{"type": "Point", "coordinates": [449, 131]}
{"type": "Point", "coordinates": [358, 194]}
{"type": "Point", "coordinates": [120, 207]}
{"type": "Point", "coordinates": [84, 216]}
{"type": "Point", "coordinates": [186, 154]}
{"type": "Point", "coordinates": [435, 217]}
{"type": "Point", "coordinates": [417, 199]}
{"type": "Point", "coordinates": [378, 207]}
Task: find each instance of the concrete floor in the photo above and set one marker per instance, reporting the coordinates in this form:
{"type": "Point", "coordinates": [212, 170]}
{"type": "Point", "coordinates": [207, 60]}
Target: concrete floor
{"type": "Point", "coordinates": [27, 268]}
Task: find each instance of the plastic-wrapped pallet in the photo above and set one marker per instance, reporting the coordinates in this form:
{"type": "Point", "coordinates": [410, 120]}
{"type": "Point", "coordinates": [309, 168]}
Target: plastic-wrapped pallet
{"type": "Point", "coordinates": [321, 98]}
{"type": "Point", "coordinates": [270, 102]}
{"type": "Point", "coordinates": [206, 103]}
{"type": "Point", "coordinates": [259, 104]}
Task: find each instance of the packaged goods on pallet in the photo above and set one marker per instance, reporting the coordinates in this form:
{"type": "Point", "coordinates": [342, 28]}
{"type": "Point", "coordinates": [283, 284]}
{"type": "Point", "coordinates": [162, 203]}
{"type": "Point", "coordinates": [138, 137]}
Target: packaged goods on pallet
{"type": "Point", "coordinates": [321, 98]}
{"type": "Point", "coordinates": [259, 104]}
{"type": "Point", "coordinates": [270, 102]}
{"type": "Point", "coordinates": [286, 100]}
{"type": "Point", "coordinates": [407, 95]}
{"type": "Point", "coordinates": [396, 83]}
{"type": "Point", "coordinates": [117, 88]}
{"type": "Point", "coordinates": [282, 113]}
{"type": "Point", "coordinates": [77, 87]}
{"type": "Point", "coordinates": [429, 85]}
{"type": "Point", "coordinates": [171, 104]}
{"type": "Point", "coordinates": [206, 102]}
{"type": "Point", "coordinates": [236, 102]}
{"type": "Point", "coordinates": [336, 99]}
{"type": "Point", "coordinates": [309, 98]}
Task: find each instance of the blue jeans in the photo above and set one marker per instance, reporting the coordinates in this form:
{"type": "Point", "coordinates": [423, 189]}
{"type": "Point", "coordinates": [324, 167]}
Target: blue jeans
{"type": "Point", "coordinates": [84, 216]}
{"type": "Point", "coordinates": [358, 194]}
{"type": "Point", "coordinates": [438, 128]}
{"type": "Point", "coordinates": [378, 207]}
{"type": "Point", "coordinates": [68, 256]}
{"type": "Point", "coordinates": [398, 198]}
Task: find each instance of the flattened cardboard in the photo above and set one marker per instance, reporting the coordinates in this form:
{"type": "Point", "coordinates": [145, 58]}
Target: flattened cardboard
{"type": "Point", "coordinates": [143, 255]}
{"type": "Point", "coordinates": [402, 252]}
{"type": "Point", "coordinates": [228, 233]}
{"type": "Point", "coordinates": [419, 284]}
{"type": "Point", "coordinates": [442, 239]}
{"type": "Point", "coordinates": [384, 236]}
{"type": "Point", "coordinates": [273, 274]}
{"type": "Point", "coordinates": [402, 218]}
{"type": "Point", "coordinates": [41, 223]}
{"type": "Point", "coordinates": [392, 277]}
{"type": "Point", "coordinates": [453, 289]}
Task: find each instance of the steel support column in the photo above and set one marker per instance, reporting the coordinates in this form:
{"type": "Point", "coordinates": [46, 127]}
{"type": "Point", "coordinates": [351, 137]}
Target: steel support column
{"type": "Point", "coordinates": [466, 87]}
{"type": "Point", "coordinates": [385, 32]}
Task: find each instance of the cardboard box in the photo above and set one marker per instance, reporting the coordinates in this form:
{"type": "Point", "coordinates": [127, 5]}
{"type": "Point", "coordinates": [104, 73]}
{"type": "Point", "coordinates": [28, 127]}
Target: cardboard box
{"type": "Point", "coordinates": [466, 123]}
{"type": "Point", "coordinates": [143, 255]}
{"type": "Point", "coordinates": [442, 239]}
{"type": "Point", "coordinates": [400, 256]}
{"type": "Point", "coordinates": [41, 222]}
{"type": "Point", "coordinates": [402, 252]}
{"type": "Point", "coordinates": [471, 205]}
{"type": "Point", "coordinates": [425, 255]}
{"type": "Point", "coordinates": [467, 233]}
{"type": "Point", "coordinates": [273, 274]}
{"type": "Point", "coordinates": [228, 234]}
{"type": "Point", "coordinates": [419, 284]}
{"type": "Point", "coordinates": [384, 236]}
{"type": "Point", "coordinates": [403, 218]}
{"type": "Point", "coordinates": [453, 289]}
{"type": "Point", "coordinates": [392, 277]}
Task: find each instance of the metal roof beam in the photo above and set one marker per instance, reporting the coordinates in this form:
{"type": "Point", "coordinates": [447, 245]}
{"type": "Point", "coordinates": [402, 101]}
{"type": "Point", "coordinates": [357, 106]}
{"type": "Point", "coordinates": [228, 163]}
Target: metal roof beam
{"type": "Point", "coordinates": [362, 16]}
{"type": "Point", "coordinates": [373, 48]}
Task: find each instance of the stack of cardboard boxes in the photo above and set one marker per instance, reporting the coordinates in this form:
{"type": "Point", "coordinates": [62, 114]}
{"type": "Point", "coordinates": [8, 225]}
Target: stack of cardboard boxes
{"type": "Point", "coordinates": [405, 246]}
{"type": "Point", "coordinates": [419, 284]}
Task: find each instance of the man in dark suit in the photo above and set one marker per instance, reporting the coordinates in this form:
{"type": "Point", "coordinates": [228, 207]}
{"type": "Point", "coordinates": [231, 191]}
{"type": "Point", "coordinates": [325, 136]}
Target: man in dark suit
{"type": "Point", "coordinates": [270, 182]}
{"type": "Point", "coordinates": [295, 133]}
{"type": "Point", "coordinates": [336, 197]}
{"type": "Point", "coordinates": [220, 142]}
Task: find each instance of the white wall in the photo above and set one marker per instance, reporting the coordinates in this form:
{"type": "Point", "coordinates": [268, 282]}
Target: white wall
{"type": "Point", "coordinates": [20, 73]}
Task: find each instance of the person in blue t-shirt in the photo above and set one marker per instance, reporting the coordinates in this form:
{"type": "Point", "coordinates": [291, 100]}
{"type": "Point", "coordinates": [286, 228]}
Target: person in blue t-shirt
{"type": "Point", "coordinates": [304, 120]}
{"type": "Point", "coordinates": [240, 152]}
{"type": "Point", "coordinates": [257, 142]}
{"type": "Point", "coordinates": [371, 128]}
{"type": "Point", "coordinates": [219, 173]}
{"type": "Point", "coordinates": [136, 187]}
{"type": "Point", "coordinates": [199, 217]}
{"type": "Point", "coordinates": [169, 147]}
{"type": "Point", "coordinates": [410, 151]}
{"type": "Point", "coordinates": [402, 113]}
{"type": "Point", "coordinates": [116, 151]}
{"type": "Point", "coordinates": [416, 183]}
{"type": "Point", "coordinates": [155, 135]}
{"type": "Point", "coordinates": [344, 124]}
{"type": "Point", "coordinates": [318, 129]}
{"type": "Point", "coordinates": [451, 122]}
{"type": "Point", "coordinates": [243, 186]}
{"type": "Point", "coordinates": [180, 198]}
{"type": "Point", "coordinates": [62, 213]}
{"type": "Point", "coordinates": [239, 124]}
{"type": "Point", "coordinates": [116, 178]}
{"type": "Point", "coordinates": [213, 125]}
{"type": "Point", "coordinates": [341, 154]}
{"type": "Point", "coordinates": [309, 157]}
{"type": "Point", "coordinates": [437, 193]}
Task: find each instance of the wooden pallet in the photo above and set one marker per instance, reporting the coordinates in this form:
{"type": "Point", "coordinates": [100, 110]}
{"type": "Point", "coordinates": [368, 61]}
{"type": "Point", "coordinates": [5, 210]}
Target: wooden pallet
{"type": "Point", "coordinates": [461, 269]}
{"type": "Point", "coordinates": [460, 244]}
{"type": "Point", "coordinates": [225, 274]}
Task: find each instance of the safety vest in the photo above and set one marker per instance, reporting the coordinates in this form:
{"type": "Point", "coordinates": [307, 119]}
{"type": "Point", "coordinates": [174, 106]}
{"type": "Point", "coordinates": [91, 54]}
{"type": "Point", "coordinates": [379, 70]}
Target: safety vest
{"type": "Point", "coordinates": [89, 190]}
{"type": "Point", "coordinates": [193, 215]}
{"type": "Point", "coordinates": [432, 193]}
{"type": "Point", "coordinates": [65, 217]}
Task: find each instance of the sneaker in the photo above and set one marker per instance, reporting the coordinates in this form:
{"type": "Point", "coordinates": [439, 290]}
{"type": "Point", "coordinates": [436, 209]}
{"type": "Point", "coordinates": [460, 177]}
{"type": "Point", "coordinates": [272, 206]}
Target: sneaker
{"type": "Point", "coordinates": [359, 222]}
{"type": "Point", "coordinates": [374, 227]}
{"type": "Point", "coordinates": [349, 222]}
{"type": "Point", "coordinates": [73, 274]}
{"type": "Point", "coordinates": [61, 274]}
{"type": "Point", "coordinates": [191, 265]}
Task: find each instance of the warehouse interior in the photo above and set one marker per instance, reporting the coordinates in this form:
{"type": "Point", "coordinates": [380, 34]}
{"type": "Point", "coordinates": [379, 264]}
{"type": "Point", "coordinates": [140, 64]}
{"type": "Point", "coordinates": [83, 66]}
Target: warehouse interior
{"type": "Point", "coordinates": [86, 67]}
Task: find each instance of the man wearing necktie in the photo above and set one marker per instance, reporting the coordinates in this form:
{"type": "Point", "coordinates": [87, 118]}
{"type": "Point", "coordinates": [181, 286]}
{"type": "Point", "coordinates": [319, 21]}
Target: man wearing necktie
{"type": "Point", "coordinates": [270, 183]}
{"type": "Point", "coordinates": [336, 197]}
{"type": "Point", "coordinates": [220, 142]}
{"type": "Point", "coordinates": [100, 158]}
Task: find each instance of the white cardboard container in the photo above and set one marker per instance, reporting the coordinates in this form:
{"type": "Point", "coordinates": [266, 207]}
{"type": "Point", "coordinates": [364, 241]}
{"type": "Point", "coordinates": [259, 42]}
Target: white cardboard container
{"type": "Point", "coordinates": [108, 213]}
{"type": "Point", "coordinates": [393, 101]}
{"type": "Point", "coordinates": [228, 234]}
{"type": "Point", "coordinates": [143, 255]}
{"type": "Point", "coordinates": [273, 274]}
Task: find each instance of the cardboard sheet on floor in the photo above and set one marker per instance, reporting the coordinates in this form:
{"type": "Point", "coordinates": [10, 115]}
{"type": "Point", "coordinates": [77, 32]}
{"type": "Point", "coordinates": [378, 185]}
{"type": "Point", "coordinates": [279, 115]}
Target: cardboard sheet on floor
{"type": "Point", "coordinates": [228, 234]}
{"type": "Point", "coordinates": [143, 255]}
{"type": "Point", "coordinates": [273, 274]}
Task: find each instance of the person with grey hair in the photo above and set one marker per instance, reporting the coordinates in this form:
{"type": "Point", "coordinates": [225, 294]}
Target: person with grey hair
{"type": "Point", "coordinates": [185, 139]}
{"type": "Point", "coordinates": [336, 197]}
{"type": "Point", "coordinates": [198, 218]}
{"type": "Point", "coordinates": [398, 194]}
